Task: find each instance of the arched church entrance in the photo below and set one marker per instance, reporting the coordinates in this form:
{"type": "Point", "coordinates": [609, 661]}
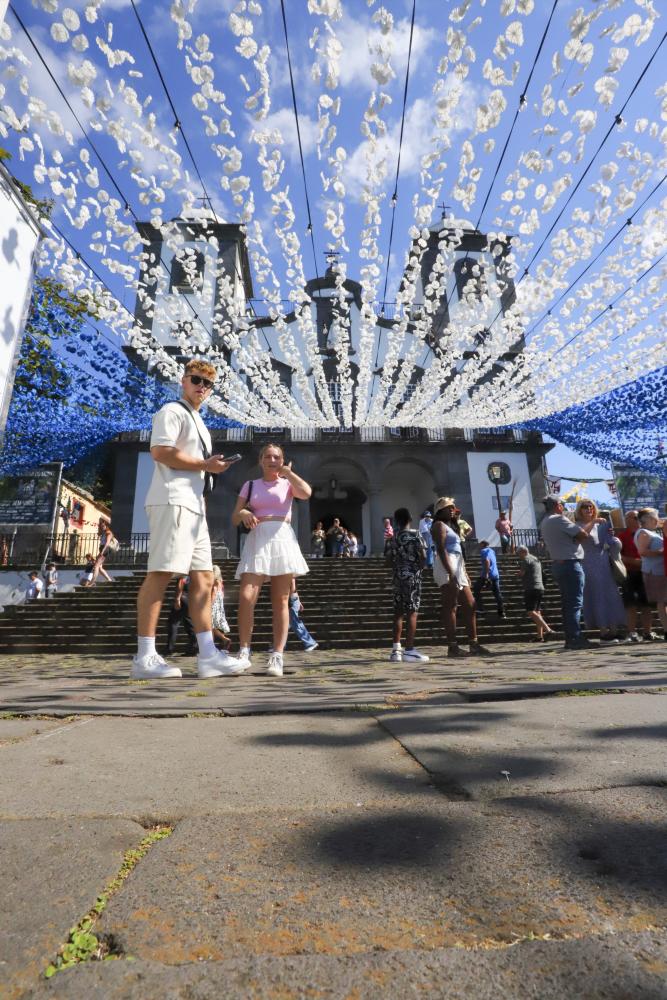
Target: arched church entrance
{"type": "Point", "coordinates": [340, 489]}
{"type": "Point", "coordinates": [343, 502]}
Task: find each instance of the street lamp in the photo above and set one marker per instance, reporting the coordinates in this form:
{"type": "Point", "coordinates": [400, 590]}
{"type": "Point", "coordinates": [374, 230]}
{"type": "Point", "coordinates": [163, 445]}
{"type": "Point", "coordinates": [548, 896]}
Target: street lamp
{"type": "Point", "coordinates": [500, 474]}
{"type": "Point", "coordinates": [496, 476]}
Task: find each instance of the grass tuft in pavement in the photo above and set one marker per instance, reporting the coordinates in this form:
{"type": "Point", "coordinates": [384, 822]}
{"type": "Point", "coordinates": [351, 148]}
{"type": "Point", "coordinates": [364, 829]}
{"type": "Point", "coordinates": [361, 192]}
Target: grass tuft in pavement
{"type": "Point", "coordinates": [82, 944]}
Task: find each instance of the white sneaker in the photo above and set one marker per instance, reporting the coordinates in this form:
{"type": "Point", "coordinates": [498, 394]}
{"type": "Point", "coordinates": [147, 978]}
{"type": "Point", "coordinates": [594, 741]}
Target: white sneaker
{"type": "Point", "coordinates": [415, 656]}
{"type": "Point", "coordinates": [221, 664]}
{"type": "Point", "coordinates": [274, 667]}
{"type": "Point", "coordinates": [243, 658]}
{"type": "Point", "coordinates": [313, 645]}
{"type": "Point", "coordinates": [152, 667]}
{"type": "Point", "coordinates": [635, 637]}
{"type": "Point", "coordinates": [396, 656]}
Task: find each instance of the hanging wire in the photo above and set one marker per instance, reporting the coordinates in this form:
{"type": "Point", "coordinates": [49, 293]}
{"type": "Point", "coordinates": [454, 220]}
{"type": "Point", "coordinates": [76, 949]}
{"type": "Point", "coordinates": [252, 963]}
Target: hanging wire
{"type": "Point", "coordinates": [520, 106]}
{"type": "Point", "coordinates": [298, 136]}
{"type": "Point", "coordinates": [618, 119]}
{"type": "Point", "coordinates": [394, 198]}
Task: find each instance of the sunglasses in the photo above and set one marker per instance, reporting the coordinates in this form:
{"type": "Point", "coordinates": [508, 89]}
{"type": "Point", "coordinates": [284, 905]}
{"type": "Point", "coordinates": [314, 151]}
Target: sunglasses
{"type": "Point", "coordinates": [200, 380]}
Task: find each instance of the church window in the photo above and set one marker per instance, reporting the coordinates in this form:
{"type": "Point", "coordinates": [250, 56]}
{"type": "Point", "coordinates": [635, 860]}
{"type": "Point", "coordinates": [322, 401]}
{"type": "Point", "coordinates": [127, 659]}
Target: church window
{"type": "Point", "coordinates": [187, 271]}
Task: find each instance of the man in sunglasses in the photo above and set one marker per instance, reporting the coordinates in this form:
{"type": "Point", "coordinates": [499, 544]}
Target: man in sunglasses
{"type": "Point", "coordinates": [179, 540]}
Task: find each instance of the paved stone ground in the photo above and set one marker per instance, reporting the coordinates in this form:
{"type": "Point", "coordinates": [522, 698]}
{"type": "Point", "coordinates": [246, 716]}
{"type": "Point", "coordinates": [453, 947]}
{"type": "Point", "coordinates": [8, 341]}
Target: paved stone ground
{"type": "Point", "coordinates": [491, 828]}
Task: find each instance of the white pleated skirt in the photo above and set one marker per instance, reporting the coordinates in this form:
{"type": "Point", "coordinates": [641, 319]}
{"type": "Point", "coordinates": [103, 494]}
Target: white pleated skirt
{"type": "Point", "coordinates": [271, 549]}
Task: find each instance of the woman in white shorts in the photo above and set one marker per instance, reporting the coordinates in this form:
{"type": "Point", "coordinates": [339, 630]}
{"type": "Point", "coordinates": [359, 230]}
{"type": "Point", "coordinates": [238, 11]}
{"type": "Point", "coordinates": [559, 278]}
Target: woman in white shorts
{"type": "Point", "coordinates": [450, 575]}
{"type": "Point", "coordinates": [271, 551]}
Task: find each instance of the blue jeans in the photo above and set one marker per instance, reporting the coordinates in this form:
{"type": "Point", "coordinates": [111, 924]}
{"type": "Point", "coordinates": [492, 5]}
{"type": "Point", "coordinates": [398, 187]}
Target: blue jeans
{"type": "Point", "coordinates": [299, 629]}
{"type": "Point", "coordinates": [428, 543]}
{"type": "Point", "coordinates": [570, 577]}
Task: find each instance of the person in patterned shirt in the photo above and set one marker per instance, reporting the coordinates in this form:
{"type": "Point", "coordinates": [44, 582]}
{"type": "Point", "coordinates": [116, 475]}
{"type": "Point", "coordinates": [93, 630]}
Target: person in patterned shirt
{"type": "Point", "coordinates": [406, 553]}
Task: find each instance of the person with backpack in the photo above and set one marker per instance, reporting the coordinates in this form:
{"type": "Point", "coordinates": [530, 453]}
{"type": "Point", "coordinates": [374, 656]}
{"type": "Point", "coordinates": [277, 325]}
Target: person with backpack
{"type": "Point", "coordinates": [404, 550]}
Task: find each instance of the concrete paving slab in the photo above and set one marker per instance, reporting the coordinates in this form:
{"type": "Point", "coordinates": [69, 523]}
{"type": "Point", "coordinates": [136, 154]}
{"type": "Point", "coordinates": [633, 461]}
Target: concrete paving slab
{"type": "Point", "coordinates": [163, 769]}
{"type": "Point", "coordinates": [419, 875]}
{"type": "Point", "coordinates": [605, 968]}
{"type": "Point", "coordinates": [537, 746]}
{"type": "Point", "coordinates": [15, 730]}
{"type": "Point", "coordinates": [52, 873]}
{"type": "Point", "coordinates": [326, 680]}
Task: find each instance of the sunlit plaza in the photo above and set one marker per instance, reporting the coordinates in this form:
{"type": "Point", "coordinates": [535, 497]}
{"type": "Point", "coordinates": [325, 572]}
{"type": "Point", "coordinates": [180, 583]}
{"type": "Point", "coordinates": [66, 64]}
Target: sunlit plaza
{"type": "Point", "coordinates": [333, 499]}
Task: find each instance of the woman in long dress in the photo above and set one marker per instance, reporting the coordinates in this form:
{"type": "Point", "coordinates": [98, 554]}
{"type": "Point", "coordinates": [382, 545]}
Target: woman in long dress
{"type": "Point", "coordinates": [271, 551]}
{"type": "Point", "coordinates": [603, 606]}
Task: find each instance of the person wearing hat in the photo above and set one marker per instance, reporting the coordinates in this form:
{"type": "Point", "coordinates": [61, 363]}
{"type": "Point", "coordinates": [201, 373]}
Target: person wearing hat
{"type": "Point", "coordinates": [450, 575]}
{"type": "Point", "coordinates": [563, 539]}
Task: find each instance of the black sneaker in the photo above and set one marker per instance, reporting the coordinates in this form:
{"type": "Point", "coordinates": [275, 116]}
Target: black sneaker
{"type": "Point", "coordinates": [583, 644]}
{"type": "Point", "coordinates": [454, 652]}
{"type": "Point", "coordinates": [476, 649]}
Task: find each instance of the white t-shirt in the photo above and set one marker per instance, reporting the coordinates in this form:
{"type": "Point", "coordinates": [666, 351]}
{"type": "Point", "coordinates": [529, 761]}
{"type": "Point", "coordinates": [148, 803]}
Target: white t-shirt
{"type": "Point", "coordinates": [174, 428]}
{"type": "Point", "coordinates": [34, 589]}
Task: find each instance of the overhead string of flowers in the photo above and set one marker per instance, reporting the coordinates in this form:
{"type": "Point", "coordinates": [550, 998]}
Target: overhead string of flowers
{"type": "Point", "coordinates": [563, 302]}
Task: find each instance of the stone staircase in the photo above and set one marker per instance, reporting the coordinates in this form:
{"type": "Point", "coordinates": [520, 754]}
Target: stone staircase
{"type": "Point", "coordinates": [347, 605]}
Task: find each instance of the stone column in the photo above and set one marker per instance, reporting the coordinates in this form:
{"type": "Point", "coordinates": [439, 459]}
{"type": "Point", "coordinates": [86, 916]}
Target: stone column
{"type": "Point", "coordinates": [302, 528]}
{"type": "Point", "coordinates": [376, 514]}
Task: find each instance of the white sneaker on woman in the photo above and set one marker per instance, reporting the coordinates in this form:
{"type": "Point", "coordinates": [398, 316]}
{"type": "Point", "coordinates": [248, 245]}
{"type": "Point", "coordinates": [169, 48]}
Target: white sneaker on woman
{"type": "Point", "coordinates": [274, 667]}
{"type": "Point", "coordinates": [152, 667]}
{"type": "Point", "coordinates": [221, 664]}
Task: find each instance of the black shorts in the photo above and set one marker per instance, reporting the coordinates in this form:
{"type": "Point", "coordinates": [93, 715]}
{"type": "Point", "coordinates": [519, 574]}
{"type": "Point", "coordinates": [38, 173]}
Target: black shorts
{"type": "Point", "coordinates": [407, 593]}
{"type": "Point", "coordinates": [633, 591]}
{"type": "Point", "coordinates": [533, 599]}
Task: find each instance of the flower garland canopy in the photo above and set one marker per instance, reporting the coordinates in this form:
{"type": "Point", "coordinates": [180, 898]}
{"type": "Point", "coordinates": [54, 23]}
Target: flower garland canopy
{"type": "Point", "coordinates": [627, 425]}
{"type": "Point", "coordinates": [73, 392]}
{"type": "Point", "coordinates": [544, 128]}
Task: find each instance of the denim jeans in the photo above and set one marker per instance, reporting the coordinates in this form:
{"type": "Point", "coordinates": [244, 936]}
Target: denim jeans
{"type": "Point", "coordinates": [299, 629]}
{"type": "Point", "coordinates": [570, 577]}
{"type": "Point", "coordinates": [428, 544]}
{"type": "Point", "coordinates": [494, 584]}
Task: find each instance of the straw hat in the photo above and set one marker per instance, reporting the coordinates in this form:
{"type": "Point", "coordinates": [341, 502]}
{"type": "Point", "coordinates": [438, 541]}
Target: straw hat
{"type": "Point", "coordinates": [443, 502]}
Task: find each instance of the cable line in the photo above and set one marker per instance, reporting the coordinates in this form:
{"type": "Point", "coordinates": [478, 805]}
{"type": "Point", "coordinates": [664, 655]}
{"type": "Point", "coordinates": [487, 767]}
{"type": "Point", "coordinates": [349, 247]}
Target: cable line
{"type": "Point", "coordinates": [617, 121]}
{"type": "Point", "coordinates": [522, 101]}
{"type": "Point", "coordinates": [298, 136]}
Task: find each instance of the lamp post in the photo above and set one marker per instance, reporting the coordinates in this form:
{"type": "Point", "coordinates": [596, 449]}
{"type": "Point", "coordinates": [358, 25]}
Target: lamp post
{"type": "Point", "coordinates": [496, 475]}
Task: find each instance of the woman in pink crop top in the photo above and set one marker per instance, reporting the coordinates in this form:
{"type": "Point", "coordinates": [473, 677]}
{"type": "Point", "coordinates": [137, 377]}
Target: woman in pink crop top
{"type": "Point", "coordinates": [271, 551]}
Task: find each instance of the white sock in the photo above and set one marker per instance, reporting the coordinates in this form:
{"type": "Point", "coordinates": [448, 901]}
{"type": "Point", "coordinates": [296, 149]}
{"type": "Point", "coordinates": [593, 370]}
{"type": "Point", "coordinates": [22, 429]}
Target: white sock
{"type": "Point", "coordinates": [396, 645]}
{"type": "Point", "coordinates": [206, 644]}
{"type": "Point", "coordinates": [145, 645]}
{"type": "Point", "coordinates": [244, 651]}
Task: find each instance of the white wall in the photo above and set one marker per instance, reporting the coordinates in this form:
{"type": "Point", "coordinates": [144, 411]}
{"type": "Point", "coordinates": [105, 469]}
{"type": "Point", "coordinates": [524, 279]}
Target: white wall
{"type": "Point", "coordinates": [13, 583]}
{"type": "Point", "coordinates": [19, 235]}
{"type": "Point", "coordinates": [484, 492]}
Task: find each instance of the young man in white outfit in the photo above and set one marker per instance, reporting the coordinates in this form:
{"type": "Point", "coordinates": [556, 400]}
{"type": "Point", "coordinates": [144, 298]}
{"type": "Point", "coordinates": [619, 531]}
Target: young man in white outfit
{"type": "Point", "coordinates": [179, 540]}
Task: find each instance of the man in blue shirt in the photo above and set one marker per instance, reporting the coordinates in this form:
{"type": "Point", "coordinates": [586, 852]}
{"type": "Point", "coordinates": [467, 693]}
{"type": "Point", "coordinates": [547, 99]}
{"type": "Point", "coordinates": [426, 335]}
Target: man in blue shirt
{"type": "Point", "coordinates": [490, 576]}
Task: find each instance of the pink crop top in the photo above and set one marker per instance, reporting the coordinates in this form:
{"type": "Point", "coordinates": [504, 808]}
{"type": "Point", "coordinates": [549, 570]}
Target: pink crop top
{"type": "Point", "coordinates": [269, 499]}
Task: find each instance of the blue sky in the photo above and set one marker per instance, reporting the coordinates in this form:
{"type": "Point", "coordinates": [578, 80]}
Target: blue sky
{"type": "Point", "coordinates": [570, 83]}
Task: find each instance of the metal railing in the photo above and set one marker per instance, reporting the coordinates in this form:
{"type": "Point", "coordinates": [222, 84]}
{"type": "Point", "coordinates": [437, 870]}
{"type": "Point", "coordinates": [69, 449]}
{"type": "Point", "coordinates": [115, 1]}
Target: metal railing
{"type": "Point", "coordinates": [29, 549]}
{"type": "Point", "coordinates": [530, 537]}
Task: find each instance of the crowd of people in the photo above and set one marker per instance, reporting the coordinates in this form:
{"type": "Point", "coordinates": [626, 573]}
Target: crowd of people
{"type": "Point", "coordinates": [607, 581]}
{"type": "Point", "coordinates": [336, 541]}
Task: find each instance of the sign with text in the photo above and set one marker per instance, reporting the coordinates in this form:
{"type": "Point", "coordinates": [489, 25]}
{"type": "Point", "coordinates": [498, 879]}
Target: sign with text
{"type": "Point", "coordinates": [636, 488]}
{"type": "Point", "coordinates": [31, 498]}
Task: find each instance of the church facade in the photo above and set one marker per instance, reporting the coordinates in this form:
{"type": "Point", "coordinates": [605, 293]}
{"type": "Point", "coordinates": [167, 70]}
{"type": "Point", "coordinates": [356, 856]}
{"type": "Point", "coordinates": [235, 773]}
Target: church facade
{"type": "Point", "coordinates": [359, 474]}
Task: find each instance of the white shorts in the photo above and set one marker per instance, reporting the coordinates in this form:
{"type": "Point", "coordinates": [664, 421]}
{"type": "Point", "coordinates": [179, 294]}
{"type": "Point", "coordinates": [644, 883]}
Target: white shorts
{"type": "Point", "coordinates": [179, 540]}
{"type": "Point", "coordinates": [441, 576]}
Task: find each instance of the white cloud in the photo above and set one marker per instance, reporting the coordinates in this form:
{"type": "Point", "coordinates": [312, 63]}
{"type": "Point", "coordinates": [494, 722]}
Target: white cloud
{"type": "Point", "coordinates": [416, 138]}
{"type": "Point", "coordinates": [356, 36]}
{"type": "Point", "coordinates": [283, 119]}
